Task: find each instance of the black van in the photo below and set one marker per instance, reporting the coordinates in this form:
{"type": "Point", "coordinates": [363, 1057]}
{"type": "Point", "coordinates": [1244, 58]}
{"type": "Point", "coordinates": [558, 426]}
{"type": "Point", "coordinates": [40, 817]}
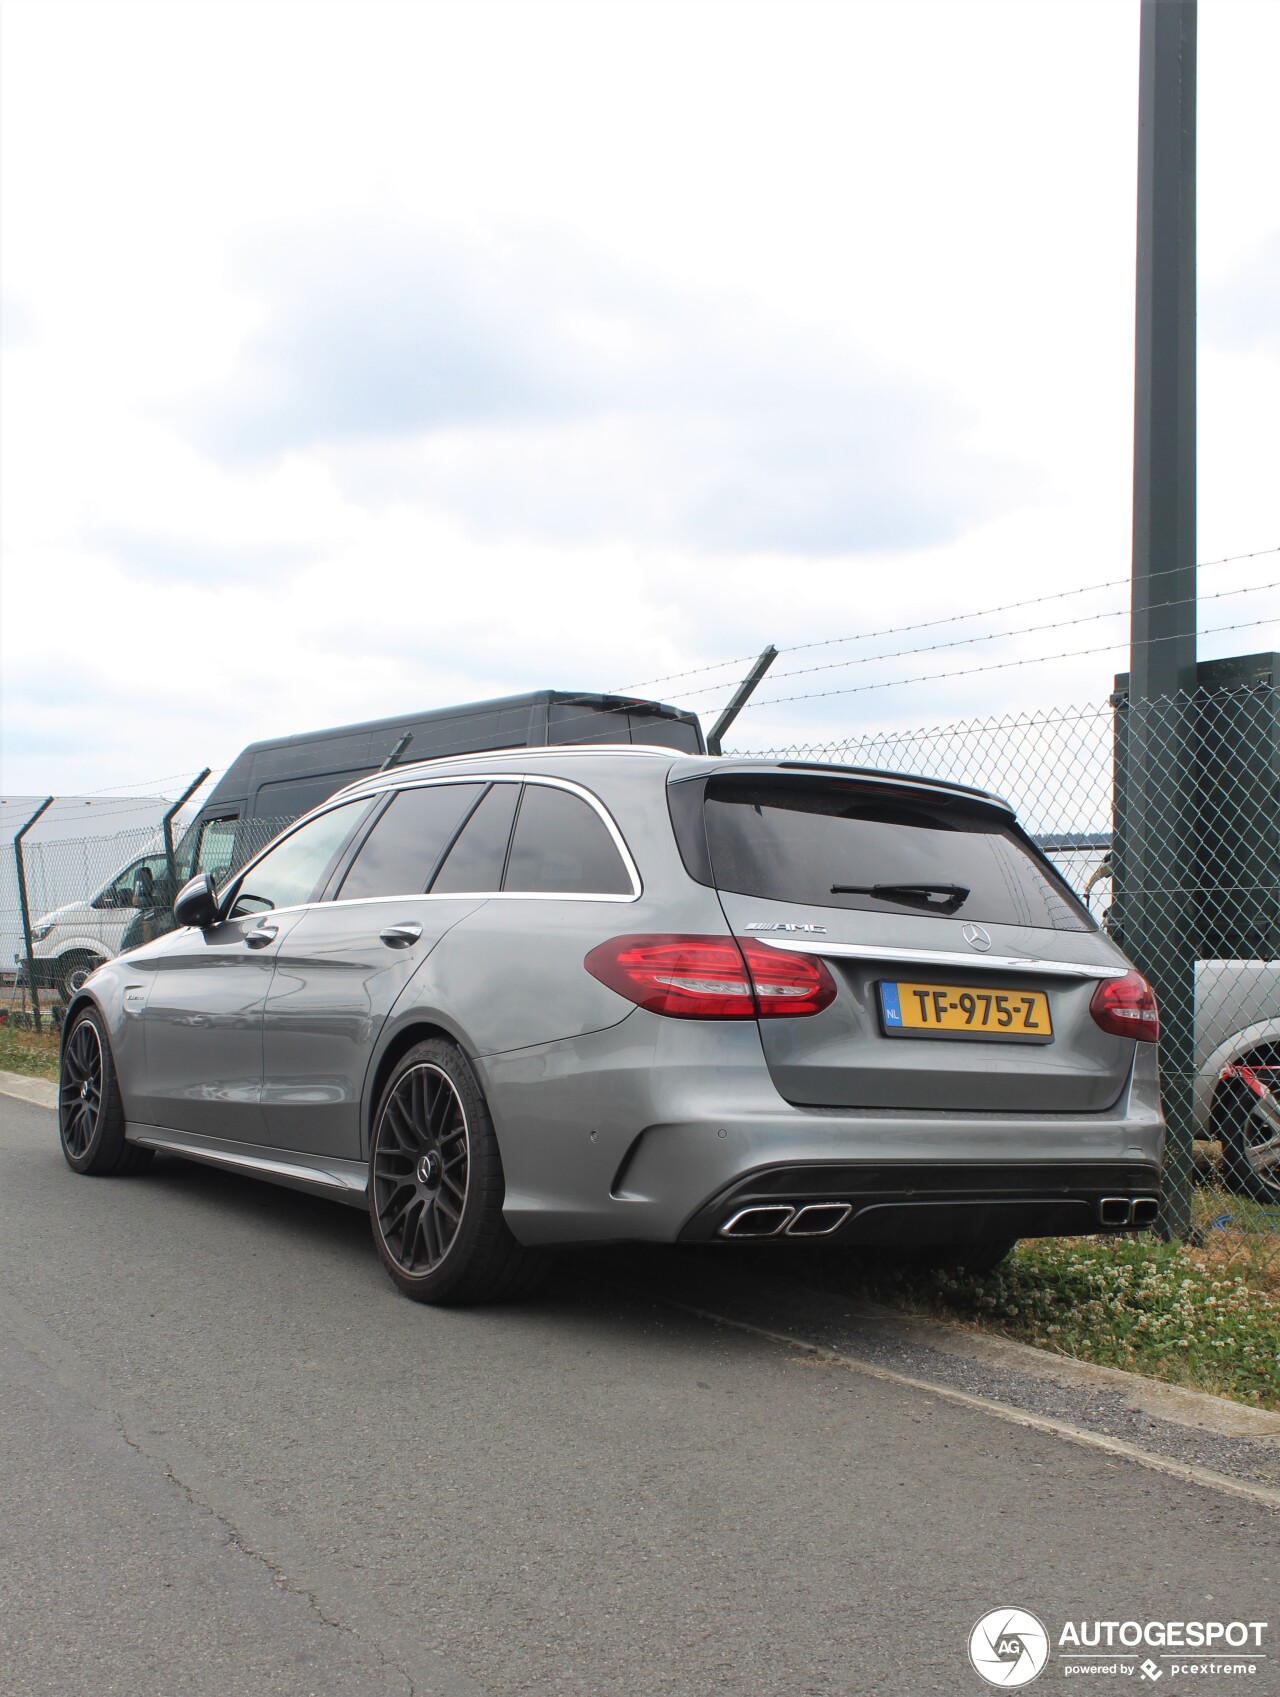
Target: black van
{"type": "Point", "coordinates": [270, 784]}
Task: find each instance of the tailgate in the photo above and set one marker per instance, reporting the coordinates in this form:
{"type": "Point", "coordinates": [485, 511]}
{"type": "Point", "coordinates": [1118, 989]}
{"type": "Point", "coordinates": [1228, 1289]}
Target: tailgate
{"type": "Point", "coordinates": [964, 966]}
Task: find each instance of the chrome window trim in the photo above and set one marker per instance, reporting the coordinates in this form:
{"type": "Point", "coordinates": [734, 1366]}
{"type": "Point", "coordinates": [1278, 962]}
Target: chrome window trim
{"type": "Point", "coordinates": [395, 775]}
{"type": "Point", "coordinates": [949, 958]}
{"type": "Point", "coordinates": [583, 794]}
{"type": "Point", "coordinates": [226, 894]}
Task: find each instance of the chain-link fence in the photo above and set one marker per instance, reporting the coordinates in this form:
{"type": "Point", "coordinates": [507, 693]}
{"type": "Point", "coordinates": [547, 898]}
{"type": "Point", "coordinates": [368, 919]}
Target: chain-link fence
{"type": "Point", "coordinates": [1163, 816]}
{"type": "Point", "coordinates": [91, 898]}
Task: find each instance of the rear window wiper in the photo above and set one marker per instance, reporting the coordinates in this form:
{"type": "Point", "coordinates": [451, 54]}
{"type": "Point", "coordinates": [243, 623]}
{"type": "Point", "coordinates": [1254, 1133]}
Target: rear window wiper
{"type": "Point", "coordinates": [931, 898]}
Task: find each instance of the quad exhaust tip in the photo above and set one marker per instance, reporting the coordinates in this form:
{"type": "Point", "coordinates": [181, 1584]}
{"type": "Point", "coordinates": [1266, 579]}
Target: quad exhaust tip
{"type": "Point", "coordinates": [773, 1219]}
{"type": "Point", "coordinates": [819, 1219]}
{"type": "Point", "coordinates": [1128, 1210]}
{"type": "Point", "coordinates": [760, 1221]}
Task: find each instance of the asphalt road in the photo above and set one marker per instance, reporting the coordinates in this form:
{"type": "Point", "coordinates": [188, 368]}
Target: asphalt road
{"type": "Point", "coordinates": [233, 1460]}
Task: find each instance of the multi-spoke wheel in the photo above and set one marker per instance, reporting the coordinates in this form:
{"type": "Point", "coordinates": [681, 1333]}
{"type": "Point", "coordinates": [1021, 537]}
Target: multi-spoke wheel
{"type": "Point", "coordinates": [436, 1187]}
{"type": "Point", "coordinates": [1250, 1144]}
{"type": "Point", "coordinates": [72, 971]}
{"type": "Point", "coordinates": [90, 1112]}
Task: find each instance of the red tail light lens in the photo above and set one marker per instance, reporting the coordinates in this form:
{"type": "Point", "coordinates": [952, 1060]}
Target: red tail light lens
{"type": "Point", "coordinates": [1126, 1007]}
{"type": "Point", "coordinates": [787, 985]}
{"type": "Point", "coordinates": [712, 977]}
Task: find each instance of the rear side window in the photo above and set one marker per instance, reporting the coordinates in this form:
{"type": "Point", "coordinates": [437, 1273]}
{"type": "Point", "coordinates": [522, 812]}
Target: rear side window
{"type": "Point", "coordinates": [476, 860]}
{"type": "Point", "coordinates": [831, 844]}
{"type": "Point", "coordinates": [562, 847]}
{"type": "Point", "coordinates": [404, 848]}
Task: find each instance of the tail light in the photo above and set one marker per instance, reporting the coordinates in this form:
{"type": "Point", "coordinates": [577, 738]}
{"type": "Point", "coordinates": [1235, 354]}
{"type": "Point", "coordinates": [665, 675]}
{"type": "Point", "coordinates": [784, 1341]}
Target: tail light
{"type": "Point", "coordinates": [712, 977]}
{"type": "Point", "coordinates": [1126, 1007]}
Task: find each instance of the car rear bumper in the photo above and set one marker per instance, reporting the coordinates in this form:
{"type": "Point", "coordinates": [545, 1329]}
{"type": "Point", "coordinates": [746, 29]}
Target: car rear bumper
{"type": "Point", "coordinates": [894, 1207]}
{"type": "Point", "coordinates": [657, 1130]}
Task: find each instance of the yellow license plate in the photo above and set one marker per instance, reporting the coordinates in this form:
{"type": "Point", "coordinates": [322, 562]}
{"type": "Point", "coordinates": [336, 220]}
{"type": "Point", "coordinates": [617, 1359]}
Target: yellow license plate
{"type": "Point", "coordinates": [960, 1010]}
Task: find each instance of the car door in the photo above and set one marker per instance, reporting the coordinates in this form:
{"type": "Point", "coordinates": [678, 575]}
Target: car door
{"type": "Point", "coordinates": [203, 1012]}
{"type": "Point", "coordinates": [344, 964]}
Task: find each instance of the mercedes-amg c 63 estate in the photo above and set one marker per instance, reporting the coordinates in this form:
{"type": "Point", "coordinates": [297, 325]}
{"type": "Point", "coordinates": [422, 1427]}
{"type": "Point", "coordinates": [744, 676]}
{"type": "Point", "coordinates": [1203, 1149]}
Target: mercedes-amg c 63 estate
{"type": "Point", "coordinates": [575, 995]}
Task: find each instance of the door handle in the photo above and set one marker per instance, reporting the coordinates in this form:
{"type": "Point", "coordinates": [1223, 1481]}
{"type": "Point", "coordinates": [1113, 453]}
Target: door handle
{"type": "Point", "coordinates": [264, 934]}
{"type": "Point", "coordinates": [401, 936]}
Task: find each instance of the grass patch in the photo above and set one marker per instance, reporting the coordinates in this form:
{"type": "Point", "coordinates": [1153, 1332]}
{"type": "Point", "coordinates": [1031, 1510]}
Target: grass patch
{"type": "Point", "coordinates": [1201, 1317]}
{"type": "Point", "coordinates": [31, 1052]}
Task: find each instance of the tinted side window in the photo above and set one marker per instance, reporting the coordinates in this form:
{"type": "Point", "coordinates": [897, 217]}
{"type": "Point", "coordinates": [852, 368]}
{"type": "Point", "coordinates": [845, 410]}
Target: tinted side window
{"type": "Point", "coordinates": [404, 847]}
{"type": "Point", "coordinates": [561, 847]}
{"type": "Point", "coordinates": [476, 860]}
{"type": "Point", "coordinates": [290, 872]}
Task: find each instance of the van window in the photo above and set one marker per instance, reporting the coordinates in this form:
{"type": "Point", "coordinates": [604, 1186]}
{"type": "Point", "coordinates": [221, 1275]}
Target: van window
{"type": "Point", "coordinates": [290, 872]}
{"type": "Point", "coordinates": [561, 847]}
{"type": "Point", "coordinates": [828, 844]}
{"type": "Point", "coordinates": [215, 850]}
{"type": "Point", "coordinates": [404, 848]}
{"type": "Point", "coordinates": [476, 860]}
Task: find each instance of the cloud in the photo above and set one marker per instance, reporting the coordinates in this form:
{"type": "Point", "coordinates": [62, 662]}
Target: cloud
{"type": "Point", "coordinates": [17, 323]}
{"type": "Point", "coordinates": [158, 556]}
{"type": "Point", "coordinates": [1242, 309]}
{"type": "Point", "coordinates": [536, 390]}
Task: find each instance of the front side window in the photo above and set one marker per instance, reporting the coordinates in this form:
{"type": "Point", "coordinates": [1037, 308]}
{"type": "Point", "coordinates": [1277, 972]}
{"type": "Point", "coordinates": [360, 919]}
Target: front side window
{"type": "Point", "coordinates": [291, 872]}
{"type": "Point", "coordinates": [404, 848]}
{"type": "Point", "coordinates": [216, 849]}
{"type": "Point", "coordinates": [562, 847]}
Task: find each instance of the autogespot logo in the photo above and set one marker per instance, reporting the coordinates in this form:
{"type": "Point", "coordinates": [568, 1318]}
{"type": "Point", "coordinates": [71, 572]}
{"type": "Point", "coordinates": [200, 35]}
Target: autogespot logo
{"type": "Point", "coordinates": [1009, 1647]}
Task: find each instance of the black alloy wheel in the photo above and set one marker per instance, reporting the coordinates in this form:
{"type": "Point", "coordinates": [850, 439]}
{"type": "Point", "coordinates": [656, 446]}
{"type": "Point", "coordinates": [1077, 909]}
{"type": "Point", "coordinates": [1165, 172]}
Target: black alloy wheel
{"type": "Point", "coordinates": [420, 1169]}
{"type": "Point", "coordinates": [91, 1120]}
{"type": "Point", "coordinates": [1250, 1146]}
{"type": "Point", "coordinates": [80, 1089]}
{"type": "Point", "coordinates": [436, 1187]}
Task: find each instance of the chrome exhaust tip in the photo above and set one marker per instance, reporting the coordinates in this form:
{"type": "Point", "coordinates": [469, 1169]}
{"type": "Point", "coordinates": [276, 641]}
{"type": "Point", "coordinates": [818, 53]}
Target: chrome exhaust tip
{"type": "Point", "coordinates": [1115, 1210]}
{"type": "Point", "coordinates": [1145, 1210]}
{"type": "Point", "coordinates": [761, 1220]}
{"type": "Point", "coordinates": [819, 1219]}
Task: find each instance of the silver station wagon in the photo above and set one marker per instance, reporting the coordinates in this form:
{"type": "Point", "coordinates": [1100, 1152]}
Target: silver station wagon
{"type": "Point", "coordinates": [590, 994]}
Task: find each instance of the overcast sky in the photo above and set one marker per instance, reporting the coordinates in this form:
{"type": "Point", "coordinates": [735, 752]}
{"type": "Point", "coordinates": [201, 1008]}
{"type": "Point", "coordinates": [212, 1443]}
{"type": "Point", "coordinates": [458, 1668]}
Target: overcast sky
{"type": "Point", "coordinates": [363, 358]}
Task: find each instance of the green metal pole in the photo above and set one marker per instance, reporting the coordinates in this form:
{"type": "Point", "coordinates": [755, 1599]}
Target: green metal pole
{"type": "Point", "coordinates": [1156, 876]}
{"type": "Point", "coordinates": [743, 693]}
{"type": "Point", "coordinates": [167, 826]}
{"type": "Point", "coordinates": [26, 910]}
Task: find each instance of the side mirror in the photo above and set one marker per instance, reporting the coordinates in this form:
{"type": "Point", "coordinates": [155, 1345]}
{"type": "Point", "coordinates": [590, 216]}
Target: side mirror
{"type": "Point", "coordinates": [197, 902]}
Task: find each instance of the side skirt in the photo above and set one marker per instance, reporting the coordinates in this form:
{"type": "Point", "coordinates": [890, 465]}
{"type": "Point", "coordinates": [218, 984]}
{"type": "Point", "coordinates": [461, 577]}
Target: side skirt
{"type": "Point", "coordinates": [340, 1181]}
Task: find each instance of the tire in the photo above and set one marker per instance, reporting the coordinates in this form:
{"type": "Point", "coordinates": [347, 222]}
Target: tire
{"type": "Point", "coordinates": [436, 1186]}
{"type": "Point", "coordinates": [1244, 1171]}
{"type": "Point", "coordinates": [72, 970]}
{"type": "Point", "coordinates": [90, 1112]}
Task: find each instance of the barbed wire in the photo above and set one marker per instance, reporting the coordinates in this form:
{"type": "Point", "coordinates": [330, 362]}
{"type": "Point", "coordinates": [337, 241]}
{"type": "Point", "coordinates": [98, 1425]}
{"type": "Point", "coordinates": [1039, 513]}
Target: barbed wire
{"type": "Point", "coordinates": [992, 636]}
{"type": "Point", "coordinates": [951, 619]}
{"type": "Point", "coordinates": [997, 666]}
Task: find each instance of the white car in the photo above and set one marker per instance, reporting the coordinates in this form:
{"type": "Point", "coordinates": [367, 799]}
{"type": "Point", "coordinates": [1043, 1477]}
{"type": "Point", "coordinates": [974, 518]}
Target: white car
{"type": "Point", "coordinates": [70, 942]}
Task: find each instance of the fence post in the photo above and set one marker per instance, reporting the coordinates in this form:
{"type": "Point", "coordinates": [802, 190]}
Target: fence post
{"type": "Point", "coordinates": [26, 910]}
{"type": "Point", "coordinates": [715, 736]}
{"type": "Point", "coordinates": [167, 826]}
{"type": "Point", "coordinates": [1155, 873]}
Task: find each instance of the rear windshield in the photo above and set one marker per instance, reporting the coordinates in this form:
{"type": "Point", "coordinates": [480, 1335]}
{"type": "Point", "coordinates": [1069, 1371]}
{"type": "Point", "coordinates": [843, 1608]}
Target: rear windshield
{"type": "Point", "coordinates": [851, 845]}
